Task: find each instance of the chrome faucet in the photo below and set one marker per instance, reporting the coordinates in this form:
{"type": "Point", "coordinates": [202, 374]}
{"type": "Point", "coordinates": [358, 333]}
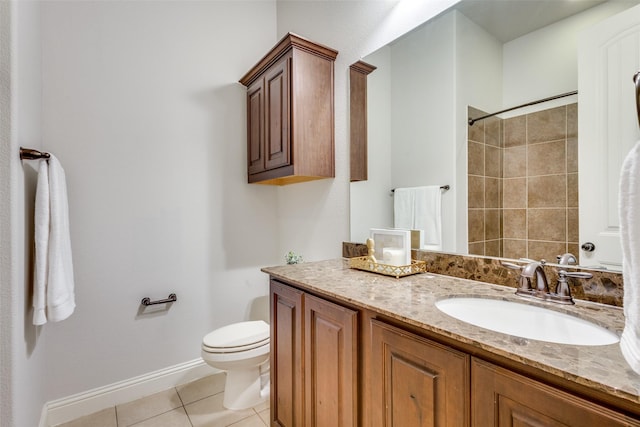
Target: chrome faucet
{"type": "Point", "coordinates": [562, 294]}
{"type": "Point", "coordinates": [542, 286]}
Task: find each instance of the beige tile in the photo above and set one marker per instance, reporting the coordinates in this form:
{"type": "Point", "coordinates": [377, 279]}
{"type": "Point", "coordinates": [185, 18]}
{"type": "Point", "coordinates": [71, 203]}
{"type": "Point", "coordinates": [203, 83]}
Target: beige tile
{"type": "Point", "coordinates": [572, 190]}
{"type": "Point", "coordinates": [547, 125]}
{"type": "Point", "coordinates": [513, 248]}
{"type": "Point", "coordinates": [476, 248]}
{"type": "Point", "coordinates": [515, 162]}
{"type": "Point", "coordinates": [515, 131]}
{"type": "Point", "coordinates": [514, 193]}
{"type": "Point", "coordinates": [547, 224]}
{"type": "Point", "coordinates": [209, 412]}
{"type": "Point", "coordinates": [572, 120]}
{"type": "Point", "coordinates": [147, 407]}
{"type": "Point", "coordinates": [265, 415]}
{"type": "Point", "coordinates": [175, 418]}
{"type": "Point", "coordinates": [493, 248]}
{"type": "Point", "coordinates": [493, 161]}
{"type": "Point", "coordinates": [475, 158]}
{"type": "Point", "coordinates": [476, 192]}
{"type": "Point", "coordinates": [201, 388]}
{"type": "Point", "coordinates": [514, 223]}
{"type": "Point", "coordinates": [572, 155]}
{"type": "Point", "coordinates": [475, 222]}
{"type": "Point", "coordinates": [492, 225]}
{"type": "Point", "coordinates": [573, 227]}
{"type": "Point", "coordinates": [545, 250]}
{"type": "Point", "coordinates": [492, 130]}
{"type": "Point", "coordinates": [547, 191]}
{"type": "Point", "coordinates": [262, 406]}
{"type": "Point", "coordinates": [547, 158]}
{"type": "Point", "coordinates": [492, 192]}
{"type": "Point", "coordinates": [104, 418]}
{"type": "Point", "coordinates": [252, 421]}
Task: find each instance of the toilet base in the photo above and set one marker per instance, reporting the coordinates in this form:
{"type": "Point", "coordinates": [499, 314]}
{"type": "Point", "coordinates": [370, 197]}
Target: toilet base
{"type": "Point", "coordinates": [242, 389]}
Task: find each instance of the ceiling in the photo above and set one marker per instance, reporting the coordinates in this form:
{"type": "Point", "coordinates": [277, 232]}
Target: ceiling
{"type": "Point", "coordinates": [507, 20]}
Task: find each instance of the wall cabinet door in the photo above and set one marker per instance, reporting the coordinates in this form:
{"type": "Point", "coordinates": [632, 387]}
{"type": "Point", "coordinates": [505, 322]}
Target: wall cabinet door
{"type": "Point", "coordinates": [330, 364]}
{"type": "Point", "coordinates": [255, 127]}
{"type": "Point", "coordinates": [287, 389]}
{"type": "Point", "coordinates": [277, 113]}
{"type": "Point", "coordinates": [502, 398]}
{"type": "Point", "coordinates": [416, 382]}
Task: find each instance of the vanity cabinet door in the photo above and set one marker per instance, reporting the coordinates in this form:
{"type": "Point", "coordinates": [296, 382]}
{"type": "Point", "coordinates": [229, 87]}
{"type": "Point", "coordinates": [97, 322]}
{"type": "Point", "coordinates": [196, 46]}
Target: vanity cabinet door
{"type": "Point", "coordinates": [502, 398]}
{"type": "Point", "coordinates": [331, 364]}
{"type": "Point", "coordinates": [287, 390]}
{"type": "Point", "coordinates": [416, 382]}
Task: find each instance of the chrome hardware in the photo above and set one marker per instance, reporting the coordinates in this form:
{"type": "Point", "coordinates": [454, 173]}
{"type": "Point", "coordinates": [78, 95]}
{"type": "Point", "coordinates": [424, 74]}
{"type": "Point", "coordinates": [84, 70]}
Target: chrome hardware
{"type": "Point", "coordinates": [563, 292]}
{"type": "Point", "coordinates": [528, 272]}
{"type": "Point", "coordinates": [31, 154]}
{"type": "Point", "coordinates": [567, 259]}
{"type": "Point", "coordinates": [588, 247]}
{"type": "Point", "coordinates": [147, 300]}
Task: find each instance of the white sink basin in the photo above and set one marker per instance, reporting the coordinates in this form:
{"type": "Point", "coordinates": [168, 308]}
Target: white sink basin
{"type": "Point", "coordinates": [527, 321]}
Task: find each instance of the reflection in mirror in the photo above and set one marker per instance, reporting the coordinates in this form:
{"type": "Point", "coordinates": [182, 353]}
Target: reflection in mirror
{"type": "Point", "coordinates": [466, 62]}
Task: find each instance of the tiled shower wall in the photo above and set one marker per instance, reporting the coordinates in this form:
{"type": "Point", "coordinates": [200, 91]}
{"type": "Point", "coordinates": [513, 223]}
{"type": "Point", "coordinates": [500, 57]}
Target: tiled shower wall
{"type": "Point", "coordinates": [523, 184]}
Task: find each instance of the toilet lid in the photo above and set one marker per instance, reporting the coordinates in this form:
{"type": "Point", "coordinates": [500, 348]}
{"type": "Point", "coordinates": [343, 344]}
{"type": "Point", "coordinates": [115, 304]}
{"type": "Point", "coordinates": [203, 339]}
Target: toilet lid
{"type": "Point", "coordinates": [238, 336]}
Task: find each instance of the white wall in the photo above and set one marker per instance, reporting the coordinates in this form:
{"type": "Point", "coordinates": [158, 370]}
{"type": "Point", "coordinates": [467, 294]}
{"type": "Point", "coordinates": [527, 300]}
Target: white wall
{"type": "Point", "coordinates": [544, 63]}
{"type": "Point", "coordinates": [140, 102]}
{"type": "Point", "coordinates": [313, 217]}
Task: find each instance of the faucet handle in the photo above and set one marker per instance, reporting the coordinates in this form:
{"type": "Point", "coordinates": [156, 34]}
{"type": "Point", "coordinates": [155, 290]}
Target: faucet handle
{"type": "Point", "coordinates": [563, 292]}
{"type": "Point", "coordinates": [576, 274]}
{"type": "Point", "coordinates": [524, 283]}
{"type": "Point", "coordinates": [511, 265]}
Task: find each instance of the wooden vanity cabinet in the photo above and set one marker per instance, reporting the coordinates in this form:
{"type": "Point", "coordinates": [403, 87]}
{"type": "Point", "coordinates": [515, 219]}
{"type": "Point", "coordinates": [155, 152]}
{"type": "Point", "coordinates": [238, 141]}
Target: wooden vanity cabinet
{"type": "Point", "coordinates": [314, 361]}
{"type": "Point", "coordinates": [290, 113]}
{"type": "Point", "coordinates": [501, 398]}
{"type": "Point", "coordinates": [415, 381]}
{"type": "Point", "coordinates": [333, 365]}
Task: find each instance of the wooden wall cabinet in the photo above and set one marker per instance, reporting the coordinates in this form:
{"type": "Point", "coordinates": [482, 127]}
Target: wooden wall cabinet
{"type": "Point", "coordinates": [359, 156]}
{"type": "Point", "coordinates": [290, 113]}
{"type": "Point", "coordinates": [314, 361]}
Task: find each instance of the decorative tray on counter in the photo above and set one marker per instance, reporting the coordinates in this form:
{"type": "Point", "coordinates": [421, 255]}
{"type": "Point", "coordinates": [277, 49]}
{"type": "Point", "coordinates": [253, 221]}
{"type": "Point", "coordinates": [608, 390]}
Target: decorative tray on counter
{"type": "Point", "coordinates": [397, 271]}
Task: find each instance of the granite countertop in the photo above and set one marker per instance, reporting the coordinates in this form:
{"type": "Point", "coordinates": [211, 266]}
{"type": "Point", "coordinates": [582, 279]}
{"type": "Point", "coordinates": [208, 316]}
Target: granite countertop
{"type": "Point", "coordinates": [412, 300]}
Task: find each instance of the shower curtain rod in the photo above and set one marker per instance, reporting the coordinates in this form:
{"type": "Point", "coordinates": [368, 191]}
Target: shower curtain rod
{"type": "Point", "coordinates": [551, 98]}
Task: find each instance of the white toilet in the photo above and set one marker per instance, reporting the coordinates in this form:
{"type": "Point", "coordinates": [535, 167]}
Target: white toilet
{"type": "Point", "coordinates": [239, 349]}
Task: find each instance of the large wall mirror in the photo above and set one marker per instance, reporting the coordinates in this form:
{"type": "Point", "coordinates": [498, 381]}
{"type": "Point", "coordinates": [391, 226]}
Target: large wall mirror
{"type": "Point", "coordinates": [515, 179]}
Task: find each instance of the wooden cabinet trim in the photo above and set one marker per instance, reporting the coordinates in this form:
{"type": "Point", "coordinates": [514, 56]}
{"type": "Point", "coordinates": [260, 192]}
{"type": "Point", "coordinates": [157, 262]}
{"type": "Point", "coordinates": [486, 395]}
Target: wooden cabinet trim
{"type": "Point", "coordinates": [358, 73]}
{"type": "Point", "coordinates": [288, 42]}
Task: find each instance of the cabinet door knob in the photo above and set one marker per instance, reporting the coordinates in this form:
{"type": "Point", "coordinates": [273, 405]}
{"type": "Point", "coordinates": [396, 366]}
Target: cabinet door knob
{"type": "Point", "coordinates": [588, 247]}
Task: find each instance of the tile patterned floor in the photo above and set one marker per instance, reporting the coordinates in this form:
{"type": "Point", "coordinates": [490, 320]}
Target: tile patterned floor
{"type": "Point", "coordinates": [196, 404]}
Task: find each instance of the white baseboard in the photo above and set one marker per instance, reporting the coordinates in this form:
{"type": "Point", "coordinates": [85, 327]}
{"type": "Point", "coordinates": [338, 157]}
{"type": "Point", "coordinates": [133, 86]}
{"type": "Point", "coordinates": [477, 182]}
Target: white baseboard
{"type": "Point", "coordinates": [71, 407]}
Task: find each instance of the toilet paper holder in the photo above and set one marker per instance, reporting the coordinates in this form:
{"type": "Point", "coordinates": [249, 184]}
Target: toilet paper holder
{"type": "Point", "coordinates": [147, 300]}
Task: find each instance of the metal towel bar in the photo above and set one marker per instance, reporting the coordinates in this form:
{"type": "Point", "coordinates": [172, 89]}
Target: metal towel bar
{"type": "Point", "coordinates": [31, 154]}
{"type": "Point", "coordinates": [147, 300]}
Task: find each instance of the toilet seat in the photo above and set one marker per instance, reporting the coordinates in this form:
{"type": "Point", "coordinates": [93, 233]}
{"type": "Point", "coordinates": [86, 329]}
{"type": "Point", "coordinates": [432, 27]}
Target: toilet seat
{"type": "Point", "coordinates": [237, 337]}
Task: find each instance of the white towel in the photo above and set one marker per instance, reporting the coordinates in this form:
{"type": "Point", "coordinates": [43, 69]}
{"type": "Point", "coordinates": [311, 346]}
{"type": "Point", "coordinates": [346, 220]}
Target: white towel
{"type": "Point", "coordinates": [53, 290]}
{"type": "Point", "coordinates": [629, 208]}
{"type": "Point", "coordinates": [419, 208]}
